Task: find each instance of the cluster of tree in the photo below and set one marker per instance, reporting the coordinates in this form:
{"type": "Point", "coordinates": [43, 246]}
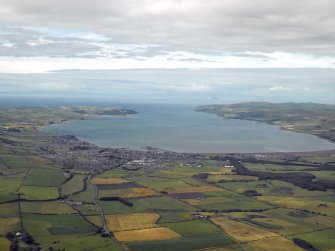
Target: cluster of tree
{"type": "Point", "coordinates": [25, 237]}
{"type": "Point", "coordinates": [251, 193]}
{"type": "Point", "coordinates": [119, 199]}
{"type": "Point", "coordinates": [301, 179]}
{"type": "Point", "coordinates": [304, 244]}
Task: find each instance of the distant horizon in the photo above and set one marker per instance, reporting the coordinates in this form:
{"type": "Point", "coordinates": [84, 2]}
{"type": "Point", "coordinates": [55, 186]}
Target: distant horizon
{"type": "Point", "coordinates": [178, 86]}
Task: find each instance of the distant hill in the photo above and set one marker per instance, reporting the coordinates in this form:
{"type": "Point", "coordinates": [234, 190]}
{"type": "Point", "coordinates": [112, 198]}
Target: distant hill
{"type": "Point", "coordinates": [313, 118]}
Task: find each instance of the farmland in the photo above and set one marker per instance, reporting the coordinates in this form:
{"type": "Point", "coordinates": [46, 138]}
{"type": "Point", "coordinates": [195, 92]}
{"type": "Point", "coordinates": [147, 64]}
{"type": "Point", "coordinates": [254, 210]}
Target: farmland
{"type": "Point", "coordinates": [55, 197]}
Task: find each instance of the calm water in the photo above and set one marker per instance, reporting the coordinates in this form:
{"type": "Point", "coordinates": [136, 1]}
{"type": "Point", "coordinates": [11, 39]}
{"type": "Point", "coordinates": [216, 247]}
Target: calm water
{"type": "Point", "coordinates": [179, 128]}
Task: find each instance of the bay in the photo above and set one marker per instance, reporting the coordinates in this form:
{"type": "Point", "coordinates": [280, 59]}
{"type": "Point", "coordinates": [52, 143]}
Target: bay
{"type": "Point", "coordinates": [179, 128]}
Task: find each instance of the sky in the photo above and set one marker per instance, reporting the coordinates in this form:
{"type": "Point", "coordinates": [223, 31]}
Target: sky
{"type": "Point", "coordinates": [192, 51]}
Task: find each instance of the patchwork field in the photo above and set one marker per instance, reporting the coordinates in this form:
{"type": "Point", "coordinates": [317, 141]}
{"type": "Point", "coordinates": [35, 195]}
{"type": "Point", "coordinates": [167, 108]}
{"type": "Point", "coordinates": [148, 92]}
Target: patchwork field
{"type": "Point", "coordinates": [191, 202]}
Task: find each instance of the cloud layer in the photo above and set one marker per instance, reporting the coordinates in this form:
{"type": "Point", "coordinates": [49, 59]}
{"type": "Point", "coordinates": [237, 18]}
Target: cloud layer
{"type": "Point", "coordinates": [230, 25]}
{"type": "Point", "coordinates": [187, 33]}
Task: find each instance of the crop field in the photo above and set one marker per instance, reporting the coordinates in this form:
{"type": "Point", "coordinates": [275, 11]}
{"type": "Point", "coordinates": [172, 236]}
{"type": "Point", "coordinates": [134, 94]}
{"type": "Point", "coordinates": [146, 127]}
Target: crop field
{"type": "Point", "coordinates": [237, 203]}
{"type": "Point", "coordinates": [107, 181]}
{"type": "Point", "coordinates": [123, 222]}
{"type": "Point", "coordinates": [157, 233]}
{"type": "Point", "coordinates": [240, 231]}
{"type": "Point", "coordinates": [4, 243]}
{"type": "Point", "coordinates": [160, 182]}
{"type": "Point", "coordinates": [135, 192]}
{"type": "Point", "coordinates": [272, 243]}
{"type": "Point", "coordinates": [302, 204]}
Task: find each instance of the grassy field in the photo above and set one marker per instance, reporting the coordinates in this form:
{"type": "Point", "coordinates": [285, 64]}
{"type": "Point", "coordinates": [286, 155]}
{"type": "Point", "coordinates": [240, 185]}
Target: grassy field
{"type": "Point", "coordinates": [45, 177]}
{"type": "Point", "coordinates": [38, 193]}
{"type": "Point", "coordinates": [192, 227]}
{"type": "Point", "coordinates": [322, 240]}
{"type": "Point", "coordinates": [9, 224]}
{"type": "Point", "coordinates": [50, 228]}
{"type": "Point", "coordinates": [73, 185]}
{"type": "Point", "coordinates": [135, 192]}
{"type": "Point", "coordinates": [88, 243]}
{"type": "Point", "coordinates": [51, 207]}
{"type": "Point", "coordinates": [86, 195]}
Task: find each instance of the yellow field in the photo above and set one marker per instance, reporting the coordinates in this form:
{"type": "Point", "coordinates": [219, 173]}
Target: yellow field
{"type": "Point", "coordinates": [195, 189]}
{"type": "Point", "coordinates": [108, 181]}
{"type": "Point", "coordinates": [158, 233]}
{"type": "Point", "coordinates": [223, 170]}
{"type": "Point", "coordinates": [273, 244]}
{"type": "Point", "coordinates": [189, 215]}
{"type": "Point", "coordinates": [4, 243]}
{"type": "Point", "coordinates": [140, 192]}
{"type": "Point", "coordinates": [291, 202]}
{"type": "Point", "coordinates": [123, 222]}
{"type": "Point", "coordinates": [241, 231]}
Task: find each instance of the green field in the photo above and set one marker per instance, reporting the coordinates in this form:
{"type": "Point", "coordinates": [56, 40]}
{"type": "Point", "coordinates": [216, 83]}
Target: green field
{"type": "Point", "coordinates": [52, 207]}
{"type": "Point", "coordinates": [160, 203]}
{"type": "Point", "coordinates": [88, 243]}
{"type": "Point", "coordinates": [193, 227]}
{"type": "Point", "coordinates": [73, 185]}
{"type": "Point", "coordinates": [46, 177]}
{"type": "Point", "coordinates": [322, 240]}
{"type": "Point", "coordinates": [38, 193]}
{"type": "Point", "coordinates": [187, 243]}
{"type": "Point", "coordinates": [50, 228]}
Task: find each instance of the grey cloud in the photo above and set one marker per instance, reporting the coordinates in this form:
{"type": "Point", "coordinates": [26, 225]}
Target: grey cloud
{"type": "Point", "coordinates": [233, 25]}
